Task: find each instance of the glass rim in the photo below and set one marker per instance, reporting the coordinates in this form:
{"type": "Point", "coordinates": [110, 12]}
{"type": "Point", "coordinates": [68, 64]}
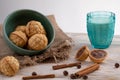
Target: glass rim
{"type": "Point", "coordinates": [107, 13]}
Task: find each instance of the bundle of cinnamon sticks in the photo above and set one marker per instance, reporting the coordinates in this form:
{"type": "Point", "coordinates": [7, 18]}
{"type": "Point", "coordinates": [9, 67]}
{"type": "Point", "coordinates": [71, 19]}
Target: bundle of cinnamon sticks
{"type": "Point", "coordinates": [79, 73]}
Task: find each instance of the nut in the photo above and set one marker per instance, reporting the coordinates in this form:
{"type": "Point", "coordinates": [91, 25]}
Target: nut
{"type": "Point", "coordinates": [9, 66]}
{"type": "Point", "coordinates": [97, 56]}
{"type": "Point", "coordinates": [37, 42]}
{"type": "Point", "coordinates": [18, 38]}
{"type": "Point", "coordinates": [82, 53]}
{"type": "Point", "coordinates": [34, 27]}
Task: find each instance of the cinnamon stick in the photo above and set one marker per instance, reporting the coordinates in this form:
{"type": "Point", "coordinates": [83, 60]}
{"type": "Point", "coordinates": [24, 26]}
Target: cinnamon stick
{"type": "Point", "coordinates": [88, 70]}
{"type": "Point", "coordinates": [65, 65]}
{"type": "Point", "coordinates": [39, 76]}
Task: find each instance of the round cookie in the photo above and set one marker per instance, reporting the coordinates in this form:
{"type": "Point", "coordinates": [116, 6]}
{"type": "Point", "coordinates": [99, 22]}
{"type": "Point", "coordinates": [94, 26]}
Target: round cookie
{"type": "Point", "coordinates": [18, 38]}
{"type": "Point", "coordinates": [9, 65]}
{"type": "Point", "coordinates": [37, 42]}
{"type": "Point", "coordinates": [34, 27]}
{"type": "Point", "coordinates": [21, 28]}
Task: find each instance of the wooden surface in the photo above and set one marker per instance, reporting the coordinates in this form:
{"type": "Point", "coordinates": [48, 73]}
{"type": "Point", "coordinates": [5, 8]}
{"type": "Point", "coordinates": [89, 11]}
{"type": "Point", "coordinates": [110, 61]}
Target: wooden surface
{"type": "Point", "coordinates": [107, 71]}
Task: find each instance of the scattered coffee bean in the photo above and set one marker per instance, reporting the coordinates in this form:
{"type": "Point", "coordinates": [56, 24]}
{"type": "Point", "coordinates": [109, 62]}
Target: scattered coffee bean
{"type": "Point", "coordinates": [34, 73]}
{"type": "Point", "coordinates": [65, 73]}
{"type": "Point", "coordinates": [85, 77]}
{"type": "Point", "coordinates": [79, 66]}
{"type": "Point", "coordinates": [117, 65]}
{"type": "Point", "coordinates": [73, 76]}
{"type": "Point", "coordinates": [77, 76]}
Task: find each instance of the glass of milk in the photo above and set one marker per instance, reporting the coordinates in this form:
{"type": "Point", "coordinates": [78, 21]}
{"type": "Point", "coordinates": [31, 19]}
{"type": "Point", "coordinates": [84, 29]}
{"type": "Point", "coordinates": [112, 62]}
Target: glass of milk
{"type": "Point", "coordinates": [100, 28]}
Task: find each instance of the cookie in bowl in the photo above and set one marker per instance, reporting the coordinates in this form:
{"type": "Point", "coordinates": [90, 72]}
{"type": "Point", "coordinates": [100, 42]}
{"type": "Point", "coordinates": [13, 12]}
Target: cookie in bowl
{"type": "Point", "coordinates": [35, 22]}
{"type": "Point", "coordinates": [34, 27]}
{"type": "Point", "coordinates": [97, 56]}
{"type": "Point", "coordinates": [21, 28]}
{"type": "Point", "coordinates": [18, 38]}
{"type": "Point", "coordinates": [37, 42]}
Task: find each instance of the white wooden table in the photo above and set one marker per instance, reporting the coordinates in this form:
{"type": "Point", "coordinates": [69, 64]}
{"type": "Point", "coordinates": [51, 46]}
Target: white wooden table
{"type": "Point", "coordinates": [107, 71]}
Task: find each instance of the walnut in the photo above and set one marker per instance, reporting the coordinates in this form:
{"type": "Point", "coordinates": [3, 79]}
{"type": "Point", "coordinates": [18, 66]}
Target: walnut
{"type": "Point", "coordinates": [21, 28]}
{"type": "Point", "coordinates": [37, 42]}
{"type": "Point", "coordinates": [34, 27]}
{"type": "Point", "coordinates": [19, 38]}
{"type": "Point", "coordinates": [9, 65]}
{"type": "Point", "coordinates": [82, 54]}
{"type": "Point", "coordinates": [97, 56]}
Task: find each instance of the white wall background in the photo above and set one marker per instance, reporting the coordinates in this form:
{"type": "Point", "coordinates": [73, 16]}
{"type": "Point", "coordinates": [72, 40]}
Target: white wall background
{"type": "Point", "coordinates": [70, 14]}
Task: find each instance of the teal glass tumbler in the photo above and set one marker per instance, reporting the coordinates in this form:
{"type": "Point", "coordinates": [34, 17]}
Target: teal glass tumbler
{"type": "Point", "coordinates": [100, 28]}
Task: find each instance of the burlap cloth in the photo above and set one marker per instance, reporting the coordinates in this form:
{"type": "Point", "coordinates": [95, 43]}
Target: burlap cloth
{"type": "Point", "coordinates": [58, 51]}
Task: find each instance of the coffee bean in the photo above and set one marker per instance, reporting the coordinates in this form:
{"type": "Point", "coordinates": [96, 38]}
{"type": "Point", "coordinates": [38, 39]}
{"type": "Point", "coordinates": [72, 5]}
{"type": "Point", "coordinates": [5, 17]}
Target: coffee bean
{"type": "Point", "coordinates": [73, 76]}
{"type": "Point", "coordinates": [117, 65]}
{"type": "Point", "coordinates": [77, 75]}
{"type": "Point", "coordinates": [65, 73]}
{"type": "Point", "coordinates": [79, 66]}
{"type": "Point", "coordinates": [34, 73]}
{"type": "Point", "coordinates": [85, 77]}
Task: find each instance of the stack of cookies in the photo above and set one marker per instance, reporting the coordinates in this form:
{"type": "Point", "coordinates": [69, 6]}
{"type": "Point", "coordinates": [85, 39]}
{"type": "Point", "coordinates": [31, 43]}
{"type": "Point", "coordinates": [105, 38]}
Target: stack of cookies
{"type": "Point", "coordinates": [31, 36]}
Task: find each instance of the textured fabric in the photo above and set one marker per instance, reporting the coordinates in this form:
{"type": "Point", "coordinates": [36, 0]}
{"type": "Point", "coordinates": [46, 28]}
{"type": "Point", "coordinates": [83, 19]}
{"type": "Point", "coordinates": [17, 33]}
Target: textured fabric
{"type": "Point", "coordinates": [58, 51]}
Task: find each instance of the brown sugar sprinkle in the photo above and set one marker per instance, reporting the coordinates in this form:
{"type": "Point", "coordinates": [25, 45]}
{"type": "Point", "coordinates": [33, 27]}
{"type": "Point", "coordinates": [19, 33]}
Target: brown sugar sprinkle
{"type": "Point", "coordinates": [117, 65]}
{"type": "Point", "coordinates": [34, 73]}
{"type": "Point", "coordinates": [65, 73]}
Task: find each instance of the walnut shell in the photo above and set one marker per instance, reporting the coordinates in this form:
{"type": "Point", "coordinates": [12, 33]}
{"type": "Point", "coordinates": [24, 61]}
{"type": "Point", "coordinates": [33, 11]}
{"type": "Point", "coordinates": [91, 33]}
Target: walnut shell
{"type": "Point", "coordinates": [34, 27]}
{"type": "Point", "coordinates": [21, 28]}
{"type": "Point", "coordinates": [97, 56]}
{"type": "Point", "coordinates": [18, 38]}
{"type": "Point", "coordinates": [9, 65]}
{"type": "Point", "coordinates": [37, 42]}
{"type": "Point", "coordinates": [82, 53]}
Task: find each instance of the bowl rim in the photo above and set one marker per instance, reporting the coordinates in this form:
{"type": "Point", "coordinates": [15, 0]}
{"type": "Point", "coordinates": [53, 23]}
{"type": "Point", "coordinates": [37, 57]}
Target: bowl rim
{"type": "Point", "coordinates": [26, 50]}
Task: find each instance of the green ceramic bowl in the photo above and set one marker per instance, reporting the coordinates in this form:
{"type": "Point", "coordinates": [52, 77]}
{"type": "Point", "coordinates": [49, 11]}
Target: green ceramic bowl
{"type": "Point", "coordinates": [21, 17]}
